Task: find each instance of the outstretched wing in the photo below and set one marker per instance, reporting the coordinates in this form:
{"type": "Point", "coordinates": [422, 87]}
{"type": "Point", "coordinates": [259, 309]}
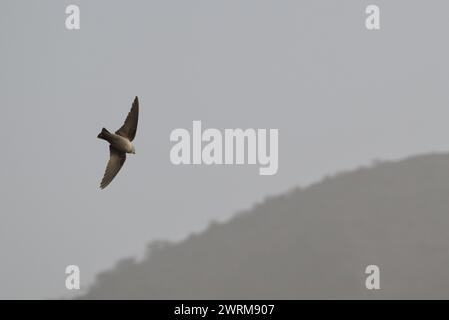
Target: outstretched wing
{"type": "Point", "coordinates": [115, 163]}
{"type": "Point", "coordinates": [129, 128]}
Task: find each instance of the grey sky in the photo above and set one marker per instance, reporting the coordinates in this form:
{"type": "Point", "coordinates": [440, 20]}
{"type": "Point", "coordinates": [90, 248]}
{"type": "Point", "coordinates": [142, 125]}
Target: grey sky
{"type": "Point", "coordinates": [340, 96]}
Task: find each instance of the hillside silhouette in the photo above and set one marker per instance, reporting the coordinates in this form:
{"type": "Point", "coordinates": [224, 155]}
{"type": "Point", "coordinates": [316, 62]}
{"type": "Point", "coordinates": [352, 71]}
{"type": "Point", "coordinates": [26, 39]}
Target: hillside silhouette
{"type": "Point", "coordinates": [310, 243]}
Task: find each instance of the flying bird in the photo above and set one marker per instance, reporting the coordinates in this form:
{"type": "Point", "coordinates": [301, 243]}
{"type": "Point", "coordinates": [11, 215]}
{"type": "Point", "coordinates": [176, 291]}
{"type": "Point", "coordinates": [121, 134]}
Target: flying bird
{"type": "Point", "coordinates": [120, 144]}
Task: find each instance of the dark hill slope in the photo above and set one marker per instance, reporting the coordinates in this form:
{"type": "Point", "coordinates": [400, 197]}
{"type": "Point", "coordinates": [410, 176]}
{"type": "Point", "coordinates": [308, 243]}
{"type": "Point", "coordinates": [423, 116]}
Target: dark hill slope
{"type": "Point", "coordinates": [311, 243]}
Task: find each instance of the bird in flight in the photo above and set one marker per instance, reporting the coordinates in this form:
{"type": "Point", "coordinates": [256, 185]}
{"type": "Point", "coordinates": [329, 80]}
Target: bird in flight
{"type": "Point", "coordinates": [120, 144]}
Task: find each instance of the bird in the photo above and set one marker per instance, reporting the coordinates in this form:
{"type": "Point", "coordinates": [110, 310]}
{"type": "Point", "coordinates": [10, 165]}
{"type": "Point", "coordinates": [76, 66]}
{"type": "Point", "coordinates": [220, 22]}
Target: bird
{"type": "Point", "coordinates": [120, 144]}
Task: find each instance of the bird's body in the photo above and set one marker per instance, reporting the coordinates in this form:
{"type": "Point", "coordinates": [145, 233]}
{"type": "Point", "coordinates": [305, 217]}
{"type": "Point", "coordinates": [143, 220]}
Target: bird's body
{"type": "Point", "coordinates": [120, 144]}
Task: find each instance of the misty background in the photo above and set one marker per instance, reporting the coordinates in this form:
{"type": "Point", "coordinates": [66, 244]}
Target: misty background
{"type": "Point", "coordinates": [340, 95]}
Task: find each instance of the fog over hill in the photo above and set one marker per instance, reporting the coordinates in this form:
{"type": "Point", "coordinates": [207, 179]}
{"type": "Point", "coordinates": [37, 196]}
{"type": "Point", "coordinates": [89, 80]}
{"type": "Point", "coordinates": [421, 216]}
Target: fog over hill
{"type": "Point", "coordinates": [310, 243]}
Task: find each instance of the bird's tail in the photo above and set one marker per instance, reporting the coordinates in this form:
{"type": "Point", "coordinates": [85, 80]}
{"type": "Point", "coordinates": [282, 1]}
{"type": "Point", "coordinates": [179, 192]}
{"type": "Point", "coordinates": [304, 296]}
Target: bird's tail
{"type": "Point", "coordinates": [103, 134]}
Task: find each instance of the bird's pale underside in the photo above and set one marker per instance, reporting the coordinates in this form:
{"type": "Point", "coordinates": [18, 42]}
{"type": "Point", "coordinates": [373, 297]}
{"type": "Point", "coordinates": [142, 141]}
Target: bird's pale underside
{"type": "Point", "coordinates": [120, 144]}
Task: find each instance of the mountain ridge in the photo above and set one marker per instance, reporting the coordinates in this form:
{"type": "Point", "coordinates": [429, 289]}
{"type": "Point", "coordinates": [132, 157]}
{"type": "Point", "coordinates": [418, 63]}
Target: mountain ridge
{"type": "Point", "coordinates": [312, 242]}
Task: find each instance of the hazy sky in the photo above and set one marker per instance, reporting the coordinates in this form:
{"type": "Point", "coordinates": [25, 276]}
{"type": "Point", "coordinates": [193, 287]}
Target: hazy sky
{"type": "Point", "coordinates": [339, 94]}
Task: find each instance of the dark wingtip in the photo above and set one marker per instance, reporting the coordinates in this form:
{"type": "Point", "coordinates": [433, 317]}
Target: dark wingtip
{"type": "Point", "coordinates": [103, 185]}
